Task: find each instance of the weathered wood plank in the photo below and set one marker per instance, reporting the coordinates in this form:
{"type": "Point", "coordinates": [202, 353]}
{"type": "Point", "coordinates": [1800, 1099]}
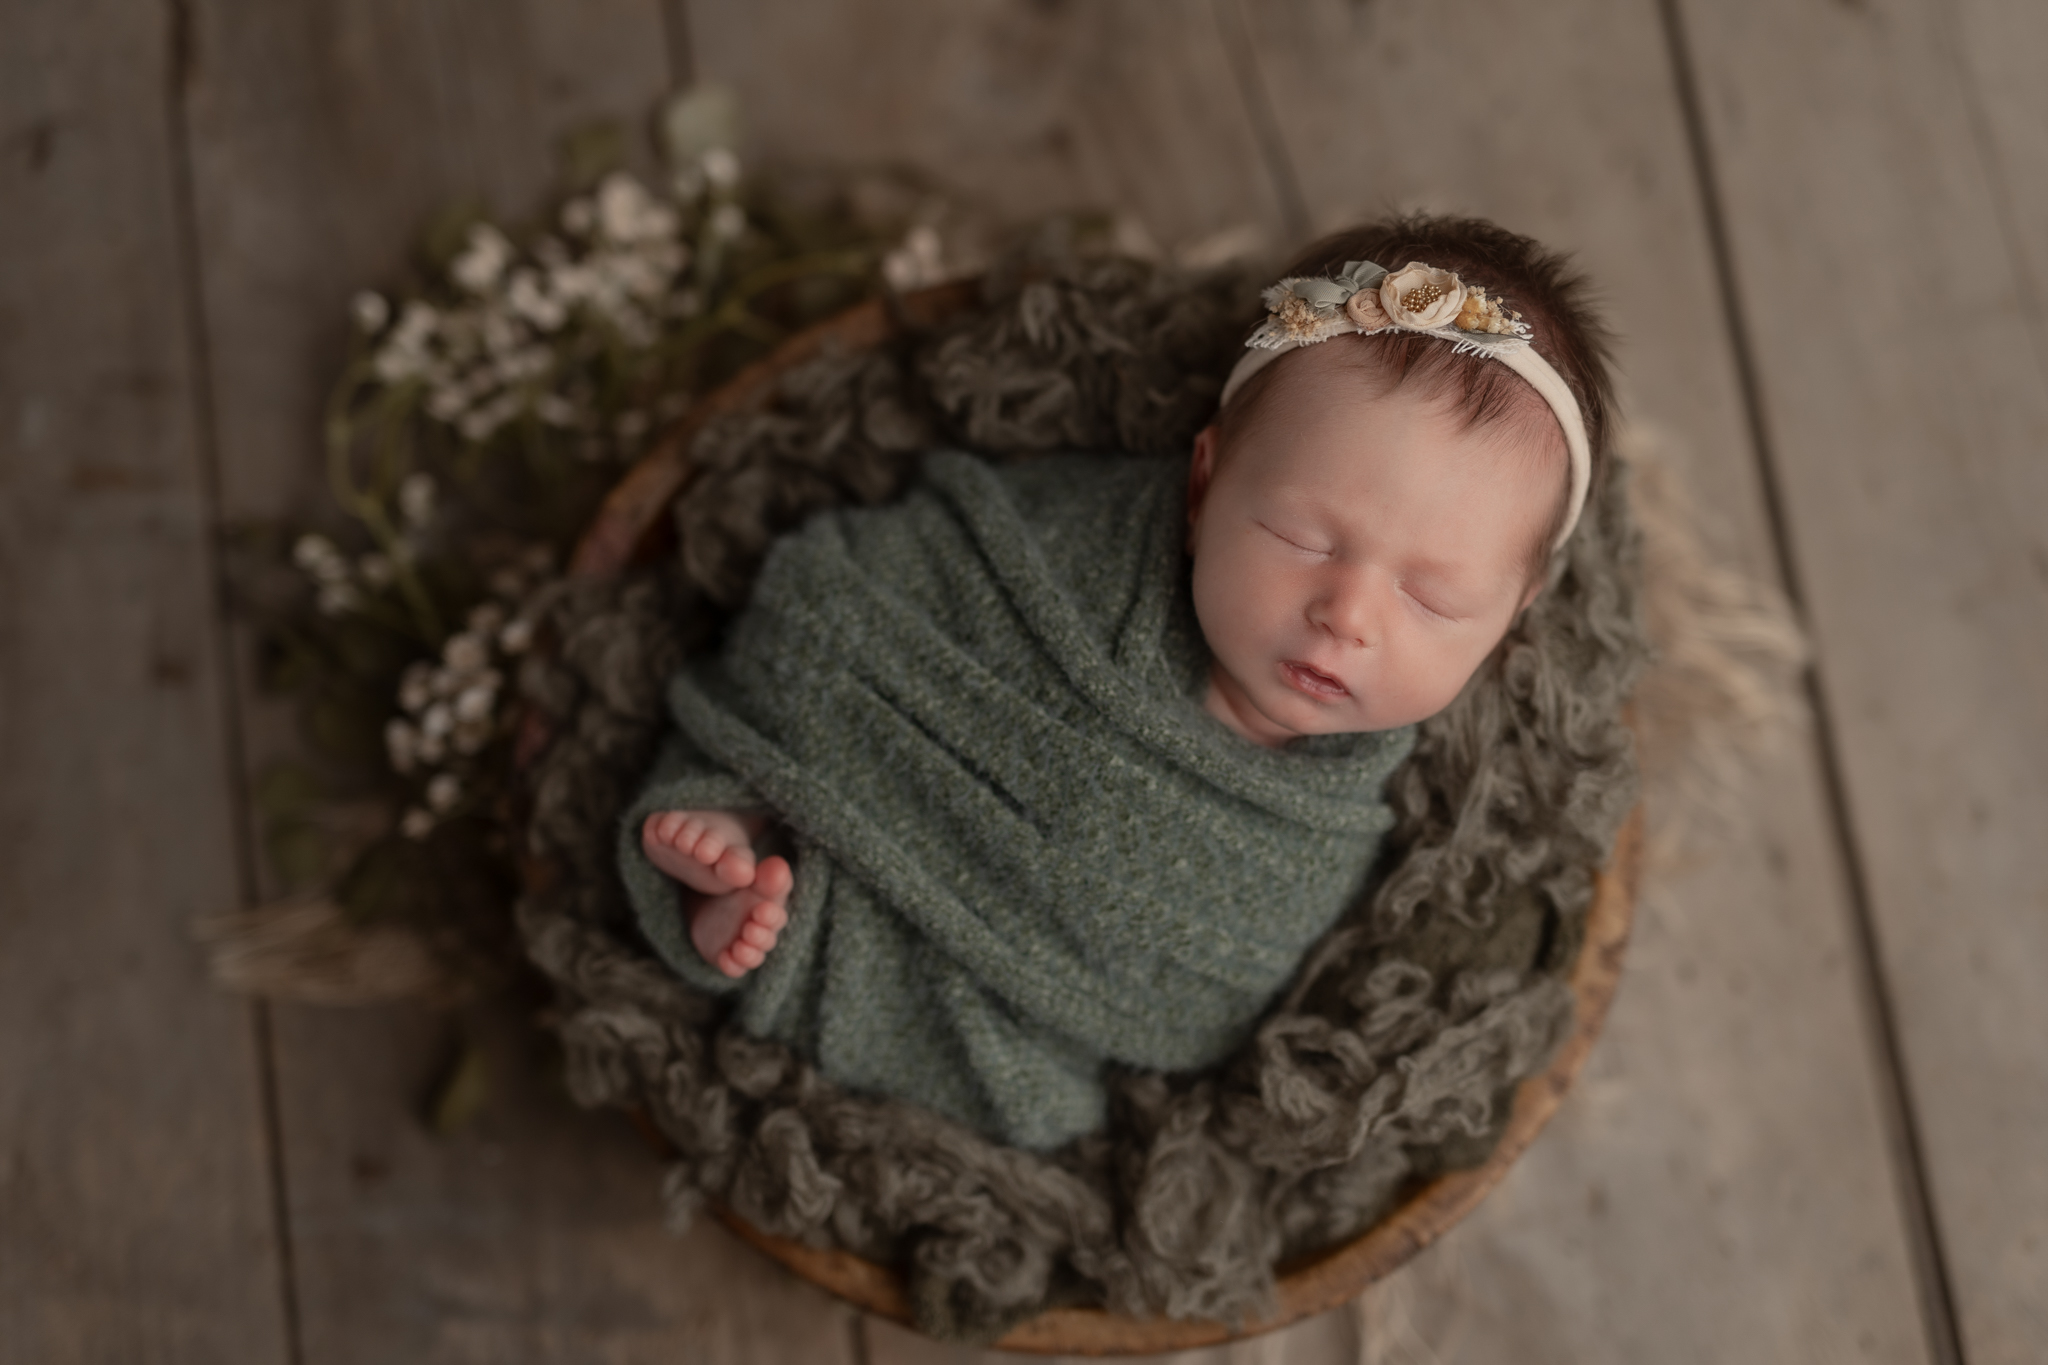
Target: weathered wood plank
{"type": "Point", "coordinates": [1327, 1339]}
{"type": "Point", "coordinates": [324, 137]}
{"type": "Point", "coordinates": [1908, 439]}
{"type": "Point", "coordinates": [1027, 109]}
{"type": "Point", "coordinates": [135, 1209]}
{"type": "Point", "coordinates": [532, 1234]}
{"type": "Point", "coordinates": [1998, 49]}
{"type": "Point", "coordinates": [1726, 1148]}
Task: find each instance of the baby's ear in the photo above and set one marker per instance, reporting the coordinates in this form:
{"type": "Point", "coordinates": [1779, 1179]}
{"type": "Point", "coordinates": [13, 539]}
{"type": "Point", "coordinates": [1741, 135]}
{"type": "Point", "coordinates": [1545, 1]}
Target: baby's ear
{"type": "Point", "coordinates": [1201, 469]}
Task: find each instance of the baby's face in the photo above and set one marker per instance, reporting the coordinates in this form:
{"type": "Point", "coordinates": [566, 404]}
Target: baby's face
{"type": "Point", "coordinates": [1356, 558]}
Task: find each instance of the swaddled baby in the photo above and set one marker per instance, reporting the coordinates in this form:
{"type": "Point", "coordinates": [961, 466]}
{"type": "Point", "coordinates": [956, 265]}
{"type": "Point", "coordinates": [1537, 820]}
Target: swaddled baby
{"type": "Point", "coordinates": [1064, 763]}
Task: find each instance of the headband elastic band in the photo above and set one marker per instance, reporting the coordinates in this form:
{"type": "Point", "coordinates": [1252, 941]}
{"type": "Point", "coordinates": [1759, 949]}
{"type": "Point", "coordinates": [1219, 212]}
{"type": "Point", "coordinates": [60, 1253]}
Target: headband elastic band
{"type": "Point", "coordinates": [1365, 299]}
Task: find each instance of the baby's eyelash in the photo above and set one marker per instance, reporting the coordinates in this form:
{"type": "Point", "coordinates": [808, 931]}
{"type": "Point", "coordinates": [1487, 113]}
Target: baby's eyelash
{"type": "Point", "coordinates": [1425, 606]}
{"type": "Point", "coordinates": [1305, 549]}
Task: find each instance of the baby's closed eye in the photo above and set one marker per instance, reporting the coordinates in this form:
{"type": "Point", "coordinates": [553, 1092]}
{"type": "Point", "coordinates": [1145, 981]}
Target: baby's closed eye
{"type": "Point", "coordinates": [1302, 545]}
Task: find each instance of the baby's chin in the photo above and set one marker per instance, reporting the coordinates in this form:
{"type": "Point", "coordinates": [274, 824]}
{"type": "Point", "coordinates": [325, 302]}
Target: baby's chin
{"type": "Point", "coordinates": [1299, 714]}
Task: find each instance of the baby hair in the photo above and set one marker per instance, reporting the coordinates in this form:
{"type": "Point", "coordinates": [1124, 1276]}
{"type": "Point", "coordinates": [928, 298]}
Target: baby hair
{"type": "Point", "coordinates": [1532, 281]}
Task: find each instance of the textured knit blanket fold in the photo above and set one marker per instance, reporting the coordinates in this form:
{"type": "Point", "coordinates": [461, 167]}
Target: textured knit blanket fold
{"type": "Point", "coordinates": [1023, 850]}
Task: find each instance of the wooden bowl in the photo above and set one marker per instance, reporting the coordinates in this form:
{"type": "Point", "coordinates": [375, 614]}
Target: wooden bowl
{"type": "Point", "coordinates": [632, 525]}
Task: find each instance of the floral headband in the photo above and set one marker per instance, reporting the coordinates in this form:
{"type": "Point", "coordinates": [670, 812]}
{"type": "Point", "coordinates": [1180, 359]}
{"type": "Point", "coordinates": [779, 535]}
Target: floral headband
{"type": "Point", "coordinates": [1368, 299]}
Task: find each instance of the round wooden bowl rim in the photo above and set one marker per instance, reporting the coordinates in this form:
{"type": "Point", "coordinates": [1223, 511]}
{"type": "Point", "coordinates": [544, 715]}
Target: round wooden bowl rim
{"type": "Point", "coordinates": [631, 519]}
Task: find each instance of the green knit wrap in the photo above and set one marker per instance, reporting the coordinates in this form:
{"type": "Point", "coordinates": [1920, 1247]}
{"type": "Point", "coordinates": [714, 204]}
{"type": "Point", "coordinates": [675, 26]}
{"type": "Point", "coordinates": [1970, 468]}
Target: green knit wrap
{"type": "Point", "coordinates": [1023, 849]}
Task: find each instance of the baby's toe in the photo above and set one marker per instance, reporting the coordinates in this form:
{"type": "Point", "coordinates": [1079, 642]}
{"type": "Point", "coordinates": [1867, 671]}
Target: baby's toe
{"type": "Point", "coordinates": [772, 879]}
{"type": "Point", "coordinates": [661, 827]}
{"type": "Point", "coordinates": [746, 954]}
{"type": "Point", "coordinates": [758, 935]}
{"type": "Point", "coordinates": [770, 915]}
{"type": "Point", "coordinates": [737, 866]}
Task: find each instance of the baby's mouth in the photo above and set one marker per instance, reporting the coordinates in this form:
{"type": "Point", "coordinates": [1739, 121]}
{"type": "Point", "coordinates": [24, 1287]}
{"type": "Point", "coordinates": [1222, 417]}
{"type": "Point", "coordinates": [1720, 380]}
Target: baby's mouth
{"type": "Point", "coordinates": [1312, 681]}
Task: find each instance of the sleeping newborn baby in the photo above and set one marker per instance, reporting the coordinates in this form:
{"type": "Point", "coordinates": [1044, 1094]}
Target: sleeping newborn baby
{"type": "Point", "coordinates": [1067, 762]}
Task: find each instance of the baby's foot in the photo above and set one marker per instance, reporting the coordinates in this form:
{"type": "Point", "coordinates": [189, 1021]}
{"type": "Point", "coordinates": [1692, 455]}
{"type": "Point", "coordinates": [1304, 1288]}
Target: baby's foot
{"type": "Point", "coordinates": [705, 850]}
{"type": "Point", "coordinates": [734, 931]}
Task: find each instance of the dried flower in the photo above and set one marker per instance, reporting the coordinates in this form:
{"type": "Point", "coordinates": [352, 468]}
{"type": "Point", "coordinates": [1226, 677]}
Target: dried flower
{"type": "Point", "coordinates": [417, 824]}
{"type": "Point", "coordinates": [1363, 308]}
{"type": "Point", "coordinates": [443, 792]}
{"type": "Point", "coordinates": [1421, 296]}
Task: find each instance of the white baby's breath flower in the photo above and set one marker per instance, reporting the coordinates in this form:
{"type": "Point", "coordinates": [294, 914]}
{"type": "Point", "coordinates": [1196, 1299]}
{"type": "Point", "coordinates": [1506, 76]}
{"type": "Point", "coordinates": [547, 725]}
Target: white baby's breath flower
{"type": "Point", "coordinates": [437, 722]}
{"type": "Point", "coordinates": [481, 423]}
{"type": "Point", "coordinates": [531, 301]}
{"type": "Point", "coordinates": [475, 704]}
{"type": "Point", "coordinates": [417, 824]}
{"type": "Point", "coordinates": [483, 259]}
{"type": "Point", "coordinates": [376, 570]}
{"type": "Point", "coordinates": [443, 792]}
{"type": "Point", "coordinates": [370, 311]}
{"type": "Point", "coordinates": [336, 598]}
{"type": "Point", "coordinates": [472, 735]}
{"type": "Point", "coordinates": [728, 222]}
{"type": "Point", "coordinates": [448, 401]}
{"type": "Point", "coordinates": [464, 654]}
{"type": "Point", "coordinates": [501, 331]}
{"type": "Point", "coordinates": [555, 410]}
{"type": "Point", "coordinates": [416, 688]}
{"type": "Point", "coordinates": [517, 636]}
{"type": "Point", "coordinates": [416, 499]}
{"type": "Point", "coordinates": [401, 745]}
{"type": "Point", "coordinates": [626, 212]}
{"type": "Point", "coordinates": [721, 168]}
{"type": "Point", "coordinates": [318, 557]}
{"type": "Point", "coordinates": [529, 362]}
{"type": "Point", "coordinates": [404, 352]}
{"type": "Point", "coordinates": [917, 262]}
{"type": "Point", "coordinates": [433, 748]}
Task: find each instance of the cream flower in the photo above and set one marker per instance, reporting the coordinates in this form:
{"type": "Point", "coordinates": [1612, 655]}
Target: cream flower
{"type": "Point", "coordinates": [1421, 296]}
{"type": "Point", "coordinates": [1364, 309]}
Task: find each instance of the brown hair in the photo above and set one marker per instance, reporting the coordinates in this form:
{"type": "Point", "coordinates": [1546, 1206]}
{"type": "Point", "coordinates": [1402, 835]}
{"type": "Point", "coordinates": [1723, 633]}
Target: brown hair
{"type": "Point", "coordinates": [1535, 282]}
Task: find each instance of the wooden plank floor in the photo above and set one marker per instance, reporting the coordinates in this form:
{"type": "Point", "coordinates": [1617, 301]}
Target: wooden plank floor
{"type": "Point", "coordinates": [1812, 1132]}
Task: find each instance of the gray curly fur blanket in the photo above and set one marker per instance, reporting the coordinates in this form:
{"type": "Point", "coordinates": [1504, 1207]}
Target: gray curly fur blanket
{"type": "Point", "coordinates": [1390, 1058]}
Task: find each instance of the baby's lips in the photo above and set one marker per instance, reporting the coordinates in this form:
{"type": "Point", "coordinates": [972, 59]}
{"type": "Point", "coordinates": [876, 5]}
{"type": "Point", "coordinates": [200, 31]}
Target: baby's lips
{"type": "Point", "coordinates": [1321, 682]}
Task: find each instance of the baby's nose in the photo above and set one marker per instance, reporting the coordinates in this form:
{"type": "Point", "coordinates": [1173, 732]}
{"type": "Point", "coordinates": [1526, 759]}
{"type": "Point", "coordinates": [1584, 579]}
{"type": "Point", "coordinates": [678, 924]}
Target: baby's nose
{"type": "Point", "coordinates": [1347, 612]}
